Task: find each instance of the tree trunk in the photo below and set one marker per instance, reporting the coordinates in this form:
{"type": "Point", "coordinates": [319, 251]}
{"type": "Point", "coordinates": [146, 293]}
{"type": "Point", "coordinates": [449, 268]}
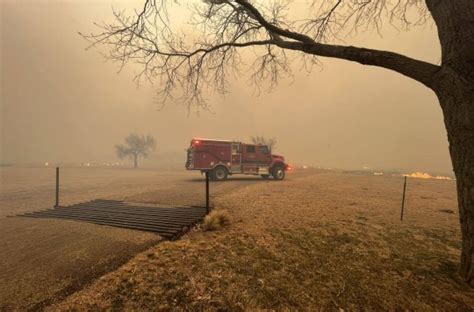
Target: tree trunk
{"type": "Point", "coordinates": [454, 86]}
{"type": "Point", "coordinates": [135, 161]}
{"type": "Point", "coordinates": [457, 101]}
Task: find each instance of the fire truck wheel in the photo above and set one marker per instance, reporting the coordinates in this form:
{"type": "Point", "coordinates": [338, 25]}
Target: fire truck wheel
{"type": "Point", "coordinates": [219, 173]}
{"type": "Point", "coordinates": [278, 173]}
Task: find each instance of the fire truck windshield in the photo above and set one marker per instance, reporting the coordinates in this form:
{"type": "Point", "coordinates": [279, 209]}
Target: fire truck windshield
{"type": "Point", "coordinates": [263, 150]}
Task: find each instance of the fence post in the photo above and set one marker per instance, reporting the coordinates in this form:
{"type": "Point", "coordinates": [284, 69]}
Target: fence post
{"type": "Point", "coordinates": [403, 198]}
{"type": "Point", "coordinates": [207, 192]}
{"type": "Point", "coordinates": [57, 187]}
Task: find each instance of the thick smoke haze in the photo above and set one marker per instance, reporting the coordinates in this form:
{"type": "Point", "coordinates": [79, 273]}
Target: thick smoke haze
{"type": "Point", "coordinates": [60, 103]}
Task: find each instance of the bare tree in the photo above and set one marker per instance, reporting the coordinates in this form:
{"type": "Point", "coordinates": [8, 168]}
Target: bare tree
{"type": "Point", "coordinates": [260, 139]}
{"type": "Point", "coordinates": [188, 67]}
{"type": "Point", "coordinates": [136, 145]}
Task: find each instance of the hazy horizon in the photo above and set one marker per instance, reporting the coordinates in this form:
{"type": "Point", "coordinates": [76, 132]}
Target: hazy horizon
{"type": "Point", "coordinates": [60, 103]}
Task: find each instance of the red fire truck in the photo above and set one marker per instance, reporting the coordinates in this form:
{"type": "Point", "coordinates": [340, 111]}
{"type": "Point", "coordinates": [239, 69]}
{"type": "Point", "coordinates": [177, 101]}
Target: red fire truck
{"type": "Point", "coordinates": [223, 158]}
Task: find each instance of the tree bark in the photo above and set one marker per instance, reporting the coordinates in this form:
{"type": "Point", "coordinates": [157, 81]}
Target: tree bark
{"type": "Point", "coordinates": [456, 97]}
{"type": "Point", "coordinates": [455, 25]}
{"type": "Point", "coordinates": [461, 149]}
{"type": "Point", "coordinates": [454, 86]}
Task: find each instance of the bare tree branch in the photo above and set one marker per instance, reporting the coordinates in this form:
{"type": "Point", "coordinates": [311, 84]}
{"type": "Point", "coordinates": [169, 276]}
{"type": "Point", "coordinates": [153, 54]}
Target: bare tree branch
{"type": "Point", "coordinates": [190, 61]}
{"type": "Point", "coordinates": [418, 70]}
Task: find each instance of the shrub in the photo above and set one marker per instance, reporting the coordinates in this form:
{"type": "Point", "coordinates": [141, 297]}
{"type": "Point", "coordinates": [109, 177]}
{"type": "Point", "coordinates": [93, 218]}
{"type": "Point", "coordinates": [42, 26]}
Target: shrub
{"type": "Point", "coordinates": [216, 220]}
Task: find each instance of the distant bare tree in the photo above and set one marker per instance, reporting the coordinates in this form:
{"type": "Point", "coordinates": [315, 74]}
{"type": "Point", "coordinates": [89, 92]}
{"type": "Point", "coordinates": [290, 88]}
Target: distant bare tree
{"type": "Point", "coordinates": [136, 145]}
{"type": "Point", "coordinates": [260, 139]}
{"type": "Point", "coordinates": [191, 62]}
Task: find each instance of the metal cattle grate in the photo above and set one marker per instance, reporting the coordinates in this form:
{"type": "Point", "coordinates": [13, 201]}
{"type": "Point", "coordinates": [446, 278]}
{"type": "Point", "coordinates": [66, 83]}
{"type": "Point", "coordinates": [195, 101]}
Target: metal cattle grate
{"type": "Point", "coordinates": [168, 221]}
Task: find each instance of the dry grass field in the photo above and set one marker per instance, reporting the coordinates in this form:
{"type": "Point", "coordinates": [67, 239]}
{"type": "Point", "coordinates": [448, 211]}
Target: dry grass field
{"type": "Point", "coordinates": [28, 189]}
{"type": "Point", "coordinates": [318, 240]}
{"type": "Point", "coordinates": [44, 260]}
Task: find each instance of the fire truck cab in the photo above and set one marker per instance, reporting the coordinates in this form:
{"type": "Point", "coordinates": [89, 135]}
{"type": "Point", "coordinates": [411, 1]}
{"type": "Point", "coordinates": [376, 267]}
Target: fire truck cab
{"type": "Point", "coordinates": [222, 158]}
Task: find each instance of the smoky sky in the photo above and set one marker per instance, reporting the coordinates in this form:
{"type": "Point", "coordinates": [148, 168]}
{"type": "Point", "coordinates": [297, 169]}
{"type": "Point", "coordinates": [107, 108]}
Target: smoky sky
{"type": "Point", "coordinates": [61, 103]}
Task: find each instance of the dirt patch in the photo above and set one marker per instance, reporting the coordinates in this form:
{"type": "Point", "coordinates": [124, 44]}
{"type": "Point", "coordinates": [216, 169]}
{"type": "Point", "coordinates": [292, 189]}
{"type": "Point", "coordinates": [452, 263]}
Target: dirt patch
{"type": "Point", "coordinates": [329, 240]}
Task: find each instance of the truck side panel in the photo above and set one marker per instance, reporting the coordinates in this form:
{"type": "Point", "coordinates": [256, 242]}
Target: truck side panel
{"type": "Point", "coordinates": [209, 154]}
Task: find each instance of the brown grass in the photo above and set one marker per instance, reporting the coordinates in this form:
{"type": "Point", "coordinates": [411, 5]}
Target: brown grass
{"type": "Point", "coordinates": [45, 260]}
{"type": "Point", "coordinates": [328, 241]}
{"type": "Point", "coordinates": [216, 220]}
